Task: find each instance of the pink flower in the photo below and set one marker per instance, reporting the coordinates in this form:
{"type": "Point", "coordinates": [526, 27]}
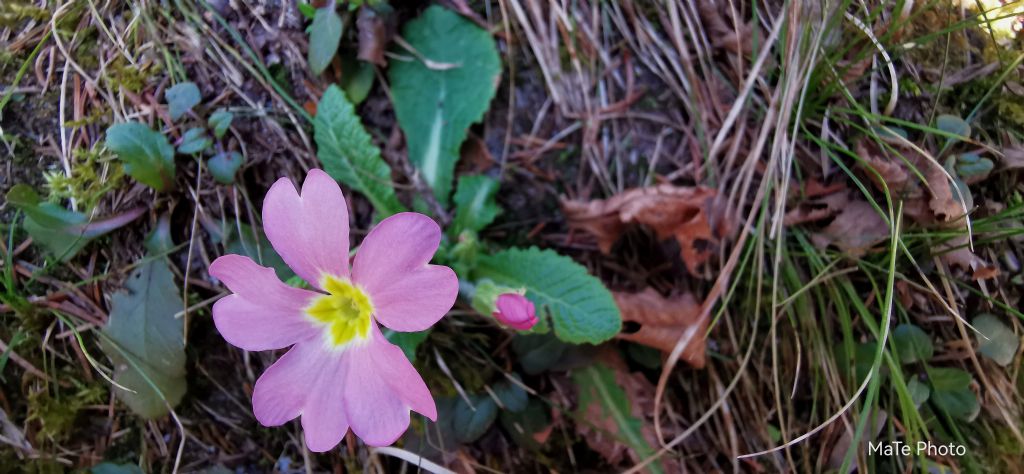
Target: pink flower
{"type": "Point", "coordinates": [340, 372]}
{"type": "Point", "coordinates": [515, 311]}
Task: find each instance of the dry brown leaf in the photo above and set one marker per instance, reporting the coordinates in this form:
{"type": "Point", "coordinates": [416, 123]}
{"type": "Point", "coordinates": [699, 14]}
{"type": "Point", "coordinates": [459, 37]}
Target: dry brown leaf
{"type": "Point", "coordinates": [671, 211]}
{"type": "Point", "coordinates": [816, 209]}
{"type": "Point", "coordinates": [475, 157]}
{"type": "Point", "coordinates": [1013, 158]}
{"type": "Point", "coordinates": [599, 431]}
{"type": "Point", "coordinates": [854, 230]}
{"type": "Point", "coordinates": [902, 177]}
{"type": "Point", "coordinates": [375, 32]}
{"type": "Point", "coordinates": [723, 31]}
{"type": "Point", "coordinates": [663, 321]}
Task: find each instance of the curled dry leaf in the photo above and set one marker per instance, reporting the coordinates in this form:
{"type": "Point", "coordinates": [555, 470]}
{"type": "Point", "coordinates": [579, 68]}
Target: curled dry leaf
{"type": "Point", "coordinates": [725, 33]}
{"type": "Point", "coordinates": [1013, 158]}
{"type": "Point", "coordinates": [854, 230]}
{"type": "Point", "coordinates": [619, 406]}
{"type": "Point", "coordinates": [375, 32]}
{"type": "Point", "coordinates": [816, 209]}
{"type": "Point", "coordinates": [956, 253]}
{"type": "Point", "coordinates": [663, 321]}
{"type": "Point", "coordinates": [686, 213]}
{"type": "Point", "coordinates": [902, 175]}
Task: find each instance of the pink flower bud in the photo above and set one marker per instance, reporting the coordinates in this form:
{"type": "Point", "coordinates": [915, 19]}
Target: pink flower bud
{"type": "Point", "coordinates": [515, 311]}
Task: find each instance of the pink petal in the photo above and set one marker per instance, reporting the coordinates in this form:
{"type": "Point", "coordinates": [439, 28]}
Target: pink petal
{"type": "Point", "coordinates": [407, 293]}
{"type": "Point", "coordinates": [281, 392]}
{"type": "Point", "coordinates": [309, 231]}
{"type": "Point", "coordinates": [515, 311]}
{"type": "Point", "coordinates": [401, 376]}
{"type": "Point", "coordinates": [379, 389]}
{"type": "Point", "coordinates": [264, 313]}
{"type": "Point", "coordinates": [323, 419]}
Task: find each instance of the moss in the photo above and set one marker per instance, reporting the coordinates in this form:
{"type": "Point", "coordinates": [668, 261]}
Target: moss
{"type": "Point", "coordinates": [132, 77]}
{"type": "Point", "coordinates": [57, 415]}
{"type": "Point", "coordinates": [88, 183]}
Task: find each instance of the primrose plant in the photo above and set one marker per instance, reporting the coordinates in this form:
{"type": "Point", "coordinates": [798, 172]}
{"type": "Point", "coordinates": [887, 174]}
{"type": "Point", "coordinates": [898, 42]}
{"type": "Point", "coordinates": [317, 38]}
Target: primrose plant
{"type": "Point", "coordinates": [340, 371]}
{"type": "Point", "coordinates": [358, 378]}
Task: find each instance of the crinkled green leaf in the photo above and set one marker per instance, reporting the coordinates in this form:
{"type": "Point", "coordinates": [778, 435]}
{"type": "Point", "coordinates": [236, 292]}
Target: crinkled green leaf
{"type": "Point", "coordinates": [349, 155]}
{"type": "Point", "coordinates": [951, 392]}
{"type": "Point", "coordinates": [472, 422]}
{"type": "Point", "coordinates": [912, 343]}
{"type": "Point", "coordinates": [579, 306]}
{"type": "Point", "coordinates": [145, 340]}
{"type": "Point", "coordinates": [194, 140]}
{"type": "Point", "coordinates": [442, 89]}
{"type": "Point", "coordinates": [224, 165]}
{"type": "Point", "coordinates": [475, 207]}
{"type": "Point", "coordinates": [181, 98]}
{"type": "Point", "coordinates": [997, 342]}
{"type": "Point", "coordinates": [219, 122]}
{"type": "Point", "coordinates": [324, 37]}
{"type": "Point", "coordinates": [147, 155]}
{"type": "Point", "coordinates": [601, 398]}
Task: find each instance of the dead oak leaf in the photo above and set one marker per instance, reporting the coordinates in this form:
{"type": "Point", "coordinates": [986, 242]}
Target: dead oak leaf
{"type": "Point", "coordinates": [686, 213]}
{"type": "Point", "coordinates": [854, 230]}
{"type": "Point", "coordinates": [375, 29]}
{"type": "Point", "coordinates": [816, 209]}
{"type": "Point", "coordinates": [916, 179]}
{"type": "Point", "coordinates": [663, 321]}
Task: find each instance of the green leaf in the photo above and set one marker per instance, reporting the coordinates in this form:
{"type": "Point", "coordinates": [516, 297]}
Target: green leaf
{"type": "Point", "coordinates": [307, 10]}
{"type": "Point", "coordinates": [522, 425]}
{"type": "Point", "coordinates": [513, 397]}
{"type": "Point", "coordinates": [971, 166]}
{"type": "Point", "coordinates": [219, 122]}
{"type": "Point", "coordinates": [194, 140]}
{"type": "Point", "coordinates": [159, 239]}
{"type": "Point", "coordinates": [147, 155]}
{"type": "Point", "coordinates": [953, 125]}
{"type": "Point", "coordinates": [356, 78]}
{"type": "Point", "coordinates": [601, 398]}
{"type": "Point", "coordinates": [475, 207]}
{"type": "Point", "coordinates": [537, 353]}
{"type": "Point", "coordinates": [324, 37]}
{"type": "Point", "coordinates": [253, 243]}
{"type": "Point", "coordinates": [442, 89]}
{"type": "Point", "coordinates": [951, 392]}
{"type": "Point", "coordinates": [145, 340]}
{"type": "Point", "coordinates": [919, 392]}
{"type": "Point", "coordinates": [61, 232]}
{"type": "Point", "coordinates": [472, 422]}
{"type": "Point", "coordinates": [581, 309]}
{"type": "Point", "coordinates": [111, 468]}
{"type": "Point", "coordinates": [912, 343]}
{"type": "Point", "coordinates": [407, 341]}
{"type": "Point", "coordinates": [181, 98]}
{"type": "Point", "coordinates": [224, 165]}
{"type": "Point", "coordinates": [1001, 344]}
{"type": "Point", "coordinates": [349, 155]}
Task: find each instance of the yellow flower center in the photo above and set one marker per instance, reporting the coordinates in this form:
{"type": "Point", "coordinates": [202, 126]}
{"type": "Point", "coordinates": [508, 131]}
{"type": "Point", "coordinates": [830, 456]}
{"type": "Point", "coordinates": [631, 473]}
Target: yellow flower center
{"type": "Point", "coordinates": [344, 312]}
